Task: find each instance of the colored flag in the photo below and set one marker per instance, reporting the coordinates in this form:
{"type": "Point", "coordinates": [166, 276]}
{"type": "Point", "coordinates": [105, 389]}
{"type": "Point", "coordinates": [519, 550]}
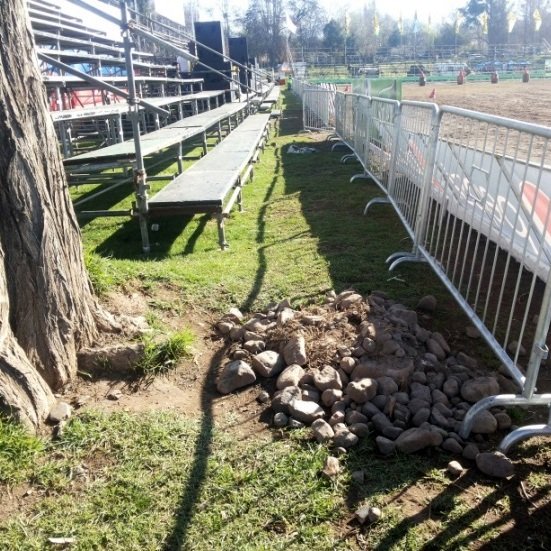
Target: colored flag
{"type": "Point", "coordinates": [400, 25]}
{"type": "Point", "coordinates": [484, 22]}
{"type": "Point", "coordinates": [346, 22]}
{"type": "Point", "coordinates": [289, 25]}
{"type": "Point", "coordinates": [511, 20]}
{"type": "Point", "coordinates": [376, 27]}
{"type": "Point", "coordinates": [537, 19]}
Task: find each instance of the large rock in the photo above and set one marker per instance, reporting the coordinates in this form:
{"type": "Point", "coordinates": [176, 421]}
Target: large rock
{"type": "Point", "coordinates": [59, 413]}
{"type": "Point", "coordinates": [290, 376]}
{"type": "Point", "coordinates": [347, 298]}
{"type": "Point", "coordinates": [427, 303]}
{"type": "Point", "coordinates": [347, 363]}
{"type": "Point", "coordinates": [381, 422]}
{"type": "Point", "coordinates": [330, 396]}
{"type": "Point", "coordinates": [280, 419]}
{"type": "Point", "coordinates": [305, 411]}
{"type": "Point", "coordinates": [254, 346]}
{"type": "Point", "coordinates": [331, 468]}
{"type": "Point", "coordinates": [361, 430]}
{"type": "Point", "coordinates": [362, 391]}
{"type": "Point", "coordinates": [235, 375]}
{"type": "Point", "coordinates": [416, 439]}
{"type": "Point", "coordinates": [451, 387]}
{"type": "Point", "coordinates": [453, 446]}
{"type": "Point", "coordinates": [385, 445]}
{"type": "Point", "coordinates": [439, 338]}
{"type": "Point", "coordinates": [285, 315]}
{"type": "Point", "coordinates": [481, 387]}
{"type": "Point", "coordinates": [433, 346]}
{"type": "Point", "coordinates": [495, 464]}
{"type": "Point", "coordinates": [326, 378]}
{"type": "Point", "coordinates": [322, 430]}
{"type": "Point", "coordinates": [282, 399]}
{"type": "Point", "coordinates": [268, 363]}
{"type": "Point", "coordinates": [386, 386]}
{"type": "Point", "coordinates": [484, 423]}
{"type": "Point", "coordinates": [344, 438]}
{"type": "Point", "coordinates": [294, 351]}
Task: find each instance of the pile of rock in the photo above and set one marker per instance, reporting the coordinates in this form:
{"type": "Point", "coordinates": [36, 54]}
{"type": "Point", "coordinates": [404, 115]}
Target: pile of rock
{"type": "Point", "coordinates": [357, 366]}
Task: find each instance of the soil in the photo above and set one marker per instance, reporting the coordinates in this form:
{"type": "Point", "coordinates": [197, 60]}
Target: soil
{"type": "Point", "coordinates": [189, 389]}
{"type": "Point", "coordinates": [529, 102]}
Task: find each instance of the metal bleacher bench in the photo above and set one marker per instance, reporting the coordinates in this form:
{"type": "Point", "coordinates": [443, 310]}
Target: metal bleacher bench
{"type": "Point", "coordinates": [214, 183]}
{"type": "Point", "coordinates": [154, 142]}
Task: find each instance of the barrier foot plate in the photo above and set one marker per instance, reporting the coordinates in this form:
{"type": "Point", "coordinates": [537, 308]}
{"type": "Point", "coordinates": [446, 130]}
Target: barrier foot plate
{"type": "Point", "coordinates": [375, 200]}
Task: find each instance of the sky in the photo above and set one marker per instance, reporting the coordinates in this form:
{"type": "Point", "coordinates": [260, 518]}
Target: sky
{"type": "Point", "coordinates": [211, 9]}
{"type": "Point", "coordinates": [436, 9]}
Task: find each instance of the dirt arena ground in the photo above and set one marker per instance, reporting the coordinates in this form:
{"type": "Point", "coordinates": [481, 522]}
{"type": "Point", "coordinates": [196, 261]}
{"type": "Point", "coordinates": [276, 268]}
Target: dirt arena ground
{"type": "Point", "coordinates": [530, 102]}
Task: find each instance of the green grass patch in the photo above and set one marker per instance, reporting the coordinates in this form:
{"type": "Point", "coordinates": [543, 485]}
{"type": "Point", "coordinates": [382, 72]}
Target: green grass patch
{"type": "Point", "coordinates": [158, 481]}
{"type": "Point", "coordinates": [160, 357]}
{"type": "Point", "coordinates": [18, 452]}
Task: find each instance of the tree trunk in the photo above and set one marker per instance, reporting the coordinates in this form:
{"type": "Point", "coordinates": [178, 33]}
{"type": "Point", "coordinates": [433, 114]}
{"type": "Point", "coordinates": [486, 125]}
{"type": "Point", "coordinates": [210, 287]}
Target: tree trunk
{"type": "Point", "coordinates": [47, 307]}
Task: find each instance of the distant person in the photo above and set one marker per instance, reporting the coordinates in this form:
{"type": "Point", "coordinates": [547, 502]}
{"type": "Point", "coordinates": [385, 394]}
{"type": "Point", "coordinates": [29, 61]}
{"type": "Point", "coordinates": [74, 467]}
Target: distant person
{"type": "Point", "coordinates": [422, 79]}
{"type": "Point", "coordinates": [494, 78]}
{"type": "Point", "coordinates": [184, 67]}
{"type": "Point", "coordinates": [461, 77]}
{"type": "Point", "coordinates": [525, 75]}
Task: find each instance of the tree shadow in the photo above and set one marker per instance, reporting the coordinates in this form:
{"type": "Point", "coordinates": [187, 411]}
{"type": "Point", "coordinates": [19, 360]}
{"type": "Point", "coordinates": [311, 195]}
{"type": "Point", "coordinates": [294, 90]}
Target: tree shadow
{"type": "Point", "coordinates": [262, 263]}
{"type": "Point", "coordinates": [196, 477]}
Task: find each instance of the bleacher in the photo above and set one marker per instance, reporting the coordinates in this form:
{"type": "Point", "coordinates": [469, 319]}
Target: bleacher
{"type": "Point", "coordinates": [215, 182]}
{"type": "Point", "coordinates": [84, 69]}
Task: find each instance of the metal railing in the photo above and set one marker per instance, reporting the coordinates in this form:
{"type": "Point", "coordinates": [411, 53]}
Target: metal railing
{"type": "Point", "coordinates": [474, 193]}
{"type": "Point", "coordinates": [318, 105]}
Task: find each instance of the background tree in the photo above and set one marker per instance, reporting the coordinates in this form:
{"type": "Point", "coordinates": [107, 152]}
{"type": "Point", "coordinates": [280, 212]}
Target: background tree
{"type": "Point", "coordinates": [47, 307]}
{"type": "Point", "coordinates": [263, 26]}
{"type": "Point", "coordinates": [449, 38]}
{"type": "Point", "coordinates": [496, 12]}
{"type": "Point", "coordinates": [333, 35]}
{"type": "Point", "coordinates": [310, 18]}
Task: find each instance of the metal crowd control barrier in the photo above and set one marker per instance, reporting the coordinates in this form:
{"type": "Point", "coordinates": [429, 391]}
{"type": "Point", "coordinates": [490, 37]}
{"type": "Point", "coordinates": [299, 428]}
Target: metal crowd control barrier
{"type": "Point", "coordinates": [318, 111]}
{"type": "Point", "coordinates": [474, 193]}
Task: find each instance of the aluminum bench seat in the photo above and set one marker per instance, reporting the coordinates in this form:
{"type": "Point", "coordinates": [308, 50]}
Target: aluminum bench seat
{"type": "Point", "coordinates": [214, 183]}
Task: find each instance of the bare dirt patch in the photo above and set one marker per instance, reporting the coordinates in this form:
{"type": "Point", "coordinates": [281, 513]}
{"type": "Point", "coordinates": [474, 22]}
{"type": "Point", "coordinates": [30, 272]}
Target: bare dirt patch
{"type": "Point", "coordinates": [530, 102]}
{"type": "Point", "coordinates": [189, 389]}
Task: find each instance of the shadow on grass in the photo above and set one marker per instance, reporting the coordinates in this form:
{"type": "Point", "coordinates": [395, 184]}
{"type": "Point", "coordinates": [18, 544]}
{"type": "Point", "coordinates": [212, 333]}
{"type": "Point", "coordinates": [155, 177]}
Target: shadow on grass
{"type": "Point", "coordinates": [120, 193]}
{"type": "Point", "coordinates": [355, 246]}
{"type": "Point", "coordinates": [125, 242]}
{"type": "Point", "coordinates": [457, 512]}
{"type": "Point", "coordinates": [184, 515]}
{"type": "Point", "coordinates": [262, 263]}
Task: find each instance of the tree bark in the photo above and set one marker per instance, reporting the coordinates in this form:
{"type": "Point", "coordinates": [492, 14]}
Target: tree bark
{"type": "Point", "coordinates": [47, 307]}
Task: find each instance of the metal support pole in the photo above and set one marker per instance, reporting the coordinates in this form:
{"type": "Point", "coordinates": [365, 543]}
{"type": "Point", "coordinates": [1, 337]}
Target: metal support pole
{"type": "Point", "coordinates": [140, 177]}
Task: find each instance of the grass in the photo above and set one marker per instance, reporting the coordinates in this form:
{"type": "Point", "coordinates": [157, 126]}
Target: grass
{"type": "Point", "coordinates": [137, 470]}
{"type": "Point", "coordinates": [164, 481]}
{"type": "Point", "coordinates": [160, 357]}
